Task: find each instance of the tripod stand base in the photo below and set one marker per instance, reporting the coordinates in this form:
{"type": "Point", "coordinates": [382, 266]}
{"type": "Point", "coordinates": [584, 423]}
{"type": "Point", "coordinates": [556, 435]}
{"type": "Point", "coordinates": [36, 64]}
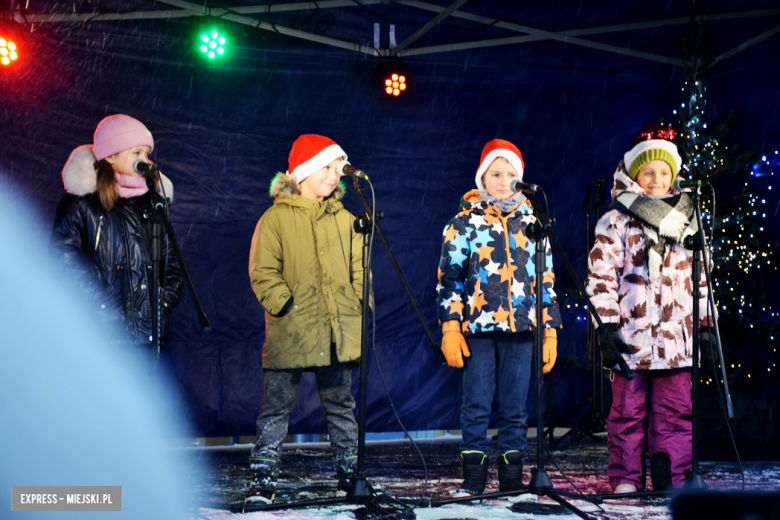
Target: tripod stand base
{"type": "Point", "coordinates": [518, 507]}
{"type": "Point", "coordinates": [373, 506]}
{"type": "Point", "coordinates": [540, 482]}
{"type": "Point", "coordinates": [360, 491]}
{"type": "Point", "coordinates": [383, 509]}
{"type": "Point", "coordinates": [532, 508]}
{"type": "Point", "coordinates": [695, 481]}
{"type": "Point", "coordinates": [249, 508]}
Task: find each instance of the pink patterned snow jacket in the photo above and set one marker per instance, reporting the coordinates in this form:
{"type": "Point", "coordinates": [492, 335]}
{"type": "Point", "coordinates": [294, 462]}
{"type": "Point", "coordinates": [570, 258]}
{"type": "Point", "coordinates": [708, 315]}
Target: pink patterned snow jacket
{"type": "Point", "coordinates": [651, 315]}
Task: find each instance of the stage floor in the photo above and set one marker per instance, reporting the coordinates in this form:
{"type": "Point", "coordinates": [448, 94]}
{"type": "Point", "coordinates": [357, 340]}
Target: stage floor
{"type": "Point", "coordinates": [396, 467]}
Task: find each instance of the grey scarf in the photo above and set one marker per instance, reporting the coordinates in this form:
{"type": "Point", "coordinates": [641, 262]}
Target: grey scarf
{"type": "Point", "coordinates": [505, 206]}
{"type": "Point", "coordinates": [667, 219]}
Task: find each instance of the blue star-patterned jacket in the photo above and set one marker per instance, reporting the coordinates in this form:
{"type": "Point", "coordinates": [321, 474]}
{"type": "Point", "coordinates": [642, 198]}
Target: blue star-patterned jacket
{"type": "Point", "coordinates": [487, 274]}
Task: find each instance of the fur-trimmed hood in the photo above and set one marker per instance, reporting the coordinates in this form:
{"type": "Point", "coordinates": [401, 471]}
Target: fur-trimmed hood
{"type": "Point", "coordinates": [79, 175]}
{"type": "Point", "coordinates": [623, 183]}
{"type": "Point", "coordinates": [283, 186]}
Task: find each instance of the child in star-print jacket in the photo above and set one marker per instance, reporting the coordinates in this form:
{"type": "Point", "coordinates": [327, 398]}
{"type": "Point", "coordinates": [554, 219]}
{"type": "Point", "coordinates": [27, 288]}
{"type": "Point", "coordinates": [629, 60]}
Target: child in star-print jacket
{"type": "Point", "coordinates": [486, 305]}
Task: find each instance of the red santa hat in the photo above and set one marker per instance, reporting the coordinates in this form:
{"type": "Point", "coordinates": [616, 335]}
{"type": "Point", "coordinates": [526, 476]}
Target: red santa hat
{"type": "Point", "coordinates": [495, 149]}
{"type": "Point", "coordinates": [310, 153]}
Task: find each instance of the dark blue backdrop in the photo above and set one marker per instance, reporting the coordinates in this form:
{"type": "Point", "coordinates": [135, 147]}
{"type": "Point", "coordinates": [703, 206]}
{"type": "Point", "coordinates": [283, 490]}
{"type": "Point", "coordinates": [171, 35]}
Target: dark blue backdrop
{"type": "Point", "coordinates": [221, 133]}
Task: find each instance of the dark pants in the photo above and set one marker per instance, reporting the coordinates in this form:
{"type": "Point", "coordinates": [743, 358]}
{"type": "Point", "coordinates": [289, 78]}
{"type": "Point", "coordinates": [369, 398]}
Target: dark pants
{"type": "Point", "coordinates": [497, 359]}
{"type": "Point", "coordinates": [666, 427]}
{"type": "Point", "coordinates": [333, 386]}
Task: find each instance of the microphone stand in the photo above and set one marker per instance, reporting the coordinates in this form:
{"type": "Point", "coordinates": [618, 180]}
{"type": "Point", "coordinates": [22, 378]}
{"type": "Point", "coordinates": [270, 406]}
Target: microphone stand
{"type": "Point", "coordinates": [540, 483]}
{"type": "Point", "coordinates": [697, 244]}
{"type": "Point", "coordinates": [595, 421]}
{"type": "Point", "coordinates": [159, 218]}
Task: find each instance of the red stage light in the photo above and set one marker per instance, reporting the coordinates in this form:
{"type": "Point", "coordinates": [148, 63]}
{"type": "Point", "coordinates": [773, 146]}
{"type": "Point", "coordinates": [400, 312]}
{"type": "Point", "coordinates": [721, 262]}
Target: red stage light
{"type": "Point", "coordinates": [8, 52]}
{"type": "Point", "coordinates": [392, 76]}
{"type": "Point", "coordinates": [395, 84]}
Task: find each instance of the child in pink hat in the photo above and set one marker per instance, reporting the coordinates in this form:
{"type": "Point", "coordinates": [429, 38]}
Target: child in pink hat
{"type": "Point", "coordinates": [100, 242]}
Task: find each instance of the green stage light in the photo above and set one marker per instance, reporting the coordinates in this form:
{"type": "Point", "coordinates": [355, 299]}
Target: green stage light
{"type": "Point", "coordinates": [212, 45]}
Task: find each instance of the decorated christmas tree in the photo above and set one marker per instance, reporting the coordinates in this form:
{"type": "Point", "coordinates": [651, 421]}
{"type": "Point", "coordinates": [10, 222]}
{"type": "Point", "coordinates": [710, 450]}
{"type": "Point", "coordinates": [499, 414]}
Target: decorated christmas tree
{"type": "Point", "coordinates": [741, 252]}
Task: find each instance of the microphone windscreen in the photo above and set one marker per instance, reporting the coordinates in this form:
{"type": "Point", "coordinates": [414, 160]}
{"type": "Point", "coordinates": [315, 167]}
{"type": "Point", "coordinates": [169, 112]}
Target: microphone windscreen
{"type": "Point", "coordinates": [340, 167]}
{"type": "Point", "coordinates": [676, 186]}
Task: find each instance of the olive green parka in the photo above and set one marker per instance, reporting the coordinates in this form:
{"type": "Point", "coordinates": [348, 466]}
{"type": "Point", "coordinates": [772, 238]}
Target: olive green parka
{"type": "Point", "coordinates": [306, 268]}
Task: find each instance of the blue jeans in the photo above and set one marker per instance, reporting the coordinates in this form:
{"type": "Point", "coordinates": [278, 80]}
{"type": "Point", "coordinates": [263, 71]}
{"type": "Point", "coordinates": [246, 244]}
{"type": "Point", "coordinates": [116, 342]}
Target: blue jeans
{"type": "Point", "coordinates": [497, 359]}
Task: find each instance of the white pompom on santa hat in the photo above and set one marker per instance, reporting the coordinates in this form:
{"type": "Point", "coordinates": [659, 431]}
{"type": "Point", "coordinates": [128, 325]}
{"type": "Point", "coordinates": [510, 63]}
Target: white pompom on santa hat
{"type": "Point", "coordinates": [495, 149]}
{"type": "Point", "coordinates": [310, 153]}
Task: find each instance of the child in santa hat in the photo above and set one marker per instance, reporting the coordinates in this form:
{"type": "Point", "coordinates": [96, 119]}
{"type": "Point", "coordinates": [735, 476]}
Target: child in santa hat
{"type": "Point", "coordinates": [639, 278]}
{"type": "Point", "coordinates": [486, 305]}
{"type": "Point", "coordinates": [306, 270]}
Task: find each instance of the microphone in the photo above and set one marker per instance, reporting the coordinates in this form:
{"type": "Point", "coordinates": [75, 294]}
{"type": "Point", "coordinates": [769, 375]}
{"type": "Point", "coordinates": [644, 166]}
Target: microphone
{"type": "Point", "coordinates": [142, 168]}
{"type": "Point", "coordinates": [679, 184]}
{"type": "Point", "coordinates": [345, 168]}
{"type": "Point", "coordinates": [516, 186]}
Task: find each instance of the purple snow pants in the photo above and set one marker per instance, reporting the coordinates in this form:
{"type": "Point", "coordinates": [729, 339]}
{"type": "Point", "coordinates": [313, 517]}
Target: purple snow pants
{"type": "Point", "coordinates": [653, 411]}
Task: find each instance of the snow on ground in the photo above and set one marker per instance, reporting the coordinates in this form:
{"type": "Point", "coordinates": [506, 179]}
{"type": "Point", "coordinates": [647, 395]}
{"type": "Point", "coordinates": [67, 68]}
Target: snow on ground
{"type": "Point", "coordinates": [396, 468]}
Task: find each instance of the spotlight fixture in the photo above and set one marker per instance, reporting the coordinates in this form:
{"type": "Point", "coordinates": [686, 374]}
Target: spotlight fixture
{"type": "Point", "coordinates": [212, 45]}
{"type": "Point", "coordinates": [392, 76]}
{"type": "Point", "coordinates": [8, 52]}
{"type": "Point", "coordinates": [395, 84]}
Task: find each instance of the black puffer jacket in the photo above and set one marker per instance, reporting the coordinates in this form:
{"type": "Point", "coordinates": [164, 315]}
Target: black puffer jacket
{"type": "Point", "coordinates": [105, 255]}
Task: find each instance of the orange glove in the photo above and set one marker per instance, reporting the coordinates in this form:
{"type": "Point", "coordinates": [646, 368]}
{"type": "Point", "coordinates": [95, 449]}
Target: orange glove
{"type": "Point", "coordinates": [453, 344]}
{"type": "Point", "coordinates": [549, 349]}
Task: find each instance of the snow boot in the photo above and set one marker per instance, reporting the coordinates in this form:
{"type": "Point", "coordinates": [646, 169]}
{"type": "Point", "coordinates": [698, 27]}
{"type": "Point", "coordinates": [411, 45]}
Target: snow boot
{"type": "Point", "coordinates": [661, 471]}
{"type": "Point", "coordinates": [474, 465]}
{"type": "Point", "coordinates": [510, 470]}
{"type": "Point", "coordinates": [265, 467]}
{"type": "Point", "coordinates": [346, 469]}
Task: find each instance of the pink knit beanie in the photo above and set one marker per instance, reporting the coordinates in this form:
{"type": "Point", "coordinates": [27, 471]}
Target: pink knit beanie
{"type": "Point", "coordinates": [118, 133]}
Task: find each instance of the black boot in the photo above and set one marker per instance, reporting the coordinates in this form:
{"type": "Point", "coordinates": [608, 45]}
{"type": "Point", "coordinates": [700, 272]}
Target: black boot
{"type": "Point", "coordinates": [474, 465]}
{"type": "Point", "coordinates": [661, 471]}
{"type": "Point", "coordinates": [265, 468]}
{"type": "Point", "coordinates": [346, 468]}
{"type": "Point", "coordinates": [510, 470]}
